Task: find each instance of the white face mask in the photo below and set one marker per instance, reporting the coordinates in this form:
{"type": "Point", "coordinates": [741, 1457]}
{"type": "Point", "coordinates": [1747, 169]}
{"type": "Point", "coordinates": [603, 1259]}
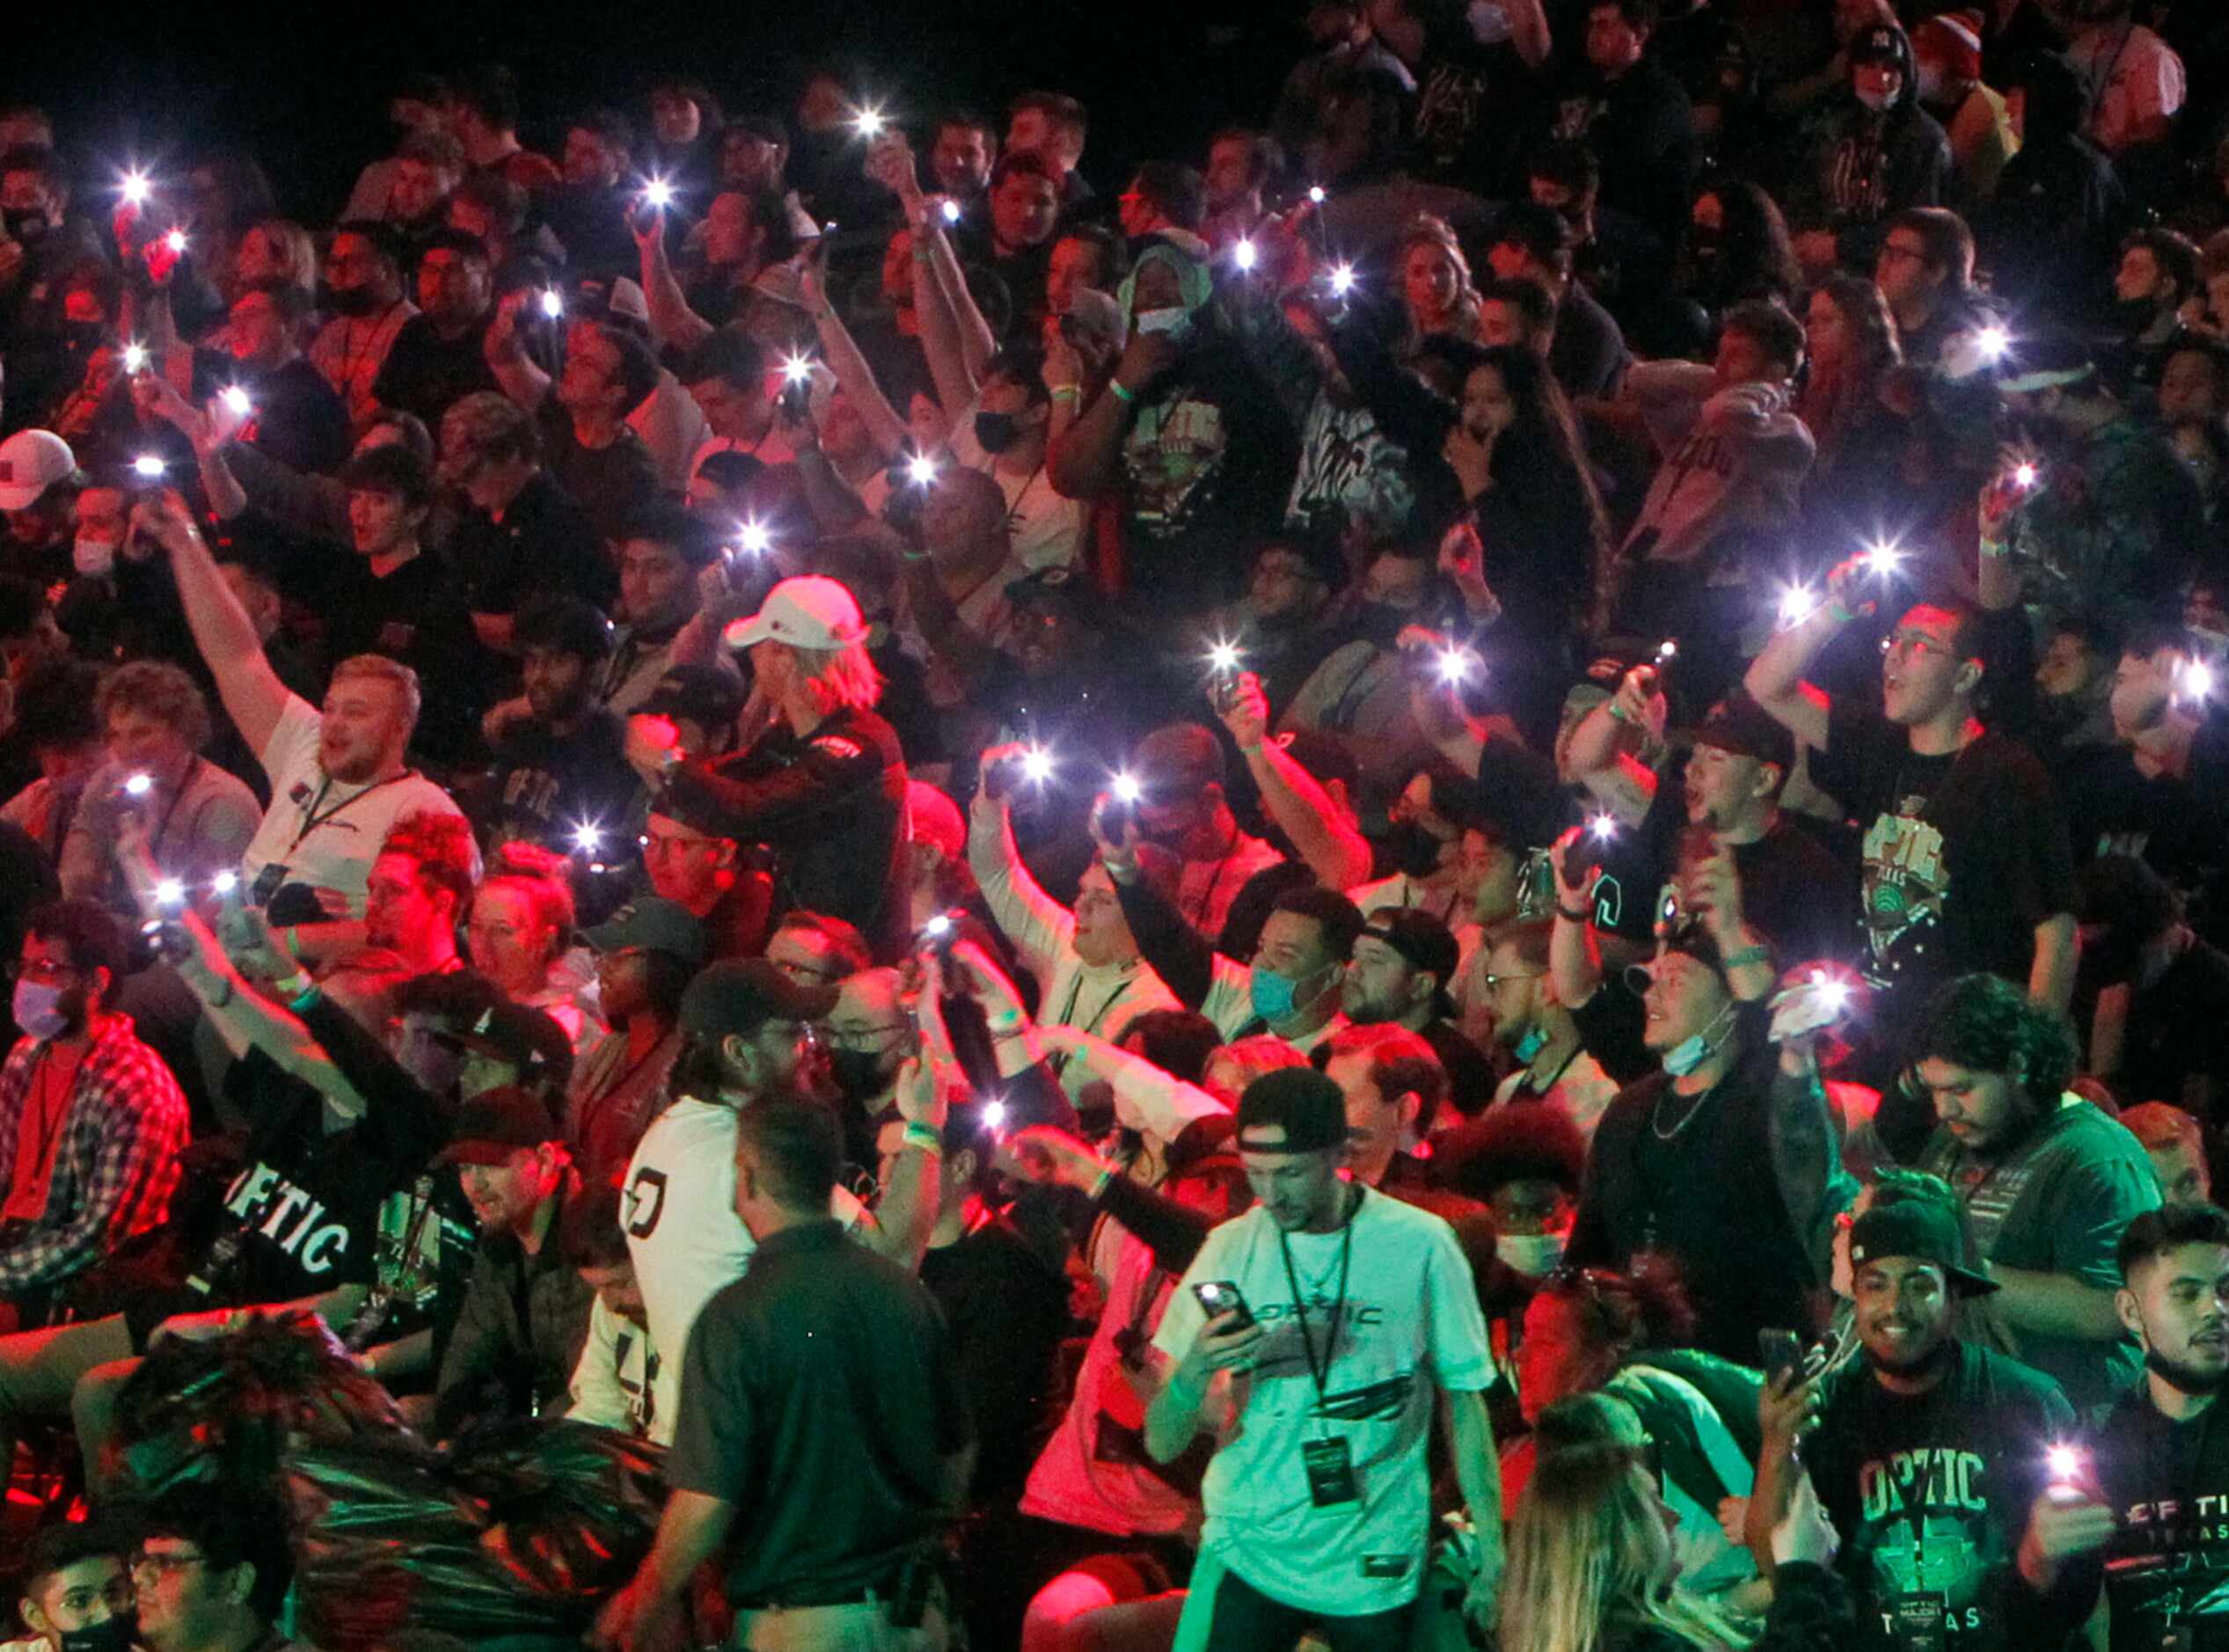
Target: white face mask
{"type": "Point", "coordinates": [91, 558]}
{"type": "Point", "coordinates": [1489, 22]}
{"type": "Point", "coordinates": [1873, 99]}
{"type": "Point", "coordinates": [1535, 1255]}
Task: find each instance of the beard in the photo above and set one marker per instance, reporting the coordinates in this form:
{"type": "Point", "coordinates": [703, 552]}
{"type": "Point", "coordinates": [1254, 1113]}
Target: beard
{"type": "Point", "coordinates": [1937, 1355]}
{"type": "Point", "coordinates": [2187, 1378]}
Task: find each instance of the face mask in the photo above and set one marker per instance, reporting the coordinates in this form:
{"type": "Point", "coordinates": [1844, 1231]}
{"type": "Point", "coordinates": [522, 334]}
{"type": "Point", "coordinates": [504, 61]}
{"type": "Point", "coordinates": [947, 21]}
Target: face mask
{"type": "Point", "coordinates": [83, 336]}
{"type": "Point", "coordinates": [1176, 321]}
{"type": "Point", "coordinates": [1489, 22]}
{"type": "Point", "coordinates": [996, 432]}
{"type": "Point", "coordinates": [1876, 101]}
{"type": "Point", "coordinates": [349, 301]}
{"type": "Point", "coordinates": [25, 224]}
{"type": "Point", "coordinates": [2135, 314]}
{"type": "Point", "coordinates": [1381, 622]}
{"type": "Point", "coordinates": [1274, 998]}
{"type": "Point", "coordinates": [1535, 1255]}
{"type": "Point", "coordinates": [1692, 1051]}
{"type": "Point", "coordinates": [858, 1072]}
{"type": "Point", "coordinates": [38, 1010]}
{"type": "Point", "coordinates": [1529, 1046]}
{"type": "Point", "coordinates": [91, 558]}
{"type": "Point", "coordinates": [1414, 851]}
{"type": "Point", "coordinates": [114, 1635]}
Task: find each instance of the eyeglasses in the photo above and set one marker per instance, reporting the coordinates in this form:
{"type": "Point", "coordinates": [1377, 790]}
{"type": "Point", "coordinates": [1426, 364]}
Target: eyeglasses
{"type": "Point", "coordinates": [864, 1036]}
{"type": "Point", "coordinates": [165, 1565]}
{"type": "Point", "coordinates": [796, 971]}
{"type": "Point", "coordinates": [44, 969]}
{"type": "Point", "coordinates": [1904, 642]}
{"type": "Point", "coordinates": [1890, 248]}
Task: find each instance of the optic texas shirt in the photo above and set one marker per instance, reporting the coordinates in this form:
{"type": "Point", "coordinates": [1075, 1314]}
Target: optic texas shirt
{"type": "Point", "coordinates": [1930, 1494]}
{"type": "Point", "coordinates": [2167, 1569]}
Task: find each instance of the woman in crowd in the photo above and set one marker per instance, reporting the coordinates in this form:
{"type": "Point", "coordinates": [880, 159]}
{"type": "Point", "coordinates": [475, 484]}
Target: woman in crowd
{"type": "Point", "coordinates": [520, 934]}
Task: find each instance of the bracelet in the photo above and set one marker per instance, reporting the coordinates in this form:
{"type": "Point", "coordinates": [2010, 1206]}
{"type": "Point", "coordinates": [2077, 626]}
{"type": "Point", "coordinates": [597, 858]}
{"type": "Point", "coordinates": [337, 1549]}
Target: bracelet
{"type": "Point", "coordinates": [1840, 615]}
{"type": "Point", "coordinates": [1123, 393]}
{"type": "Point", "coordinates": [1067, 393]}
{"type": "Point", "coordinates": [1995, 547]}
{"type": "Point", "coordinates": [1617, 713]}
{"type": "Point", "coordinates": [309, 996]}
{"type": "Point", "coordinates": [1099, 1182]}
{"type": "Point", "coordinates": [919, 1136]}
{"type": "Point", "coordinates": [292, 935]}
{"type": "Point", "coordinates": [1749, 955]}
{"type": "Point", "coordinates": [1564, 912]}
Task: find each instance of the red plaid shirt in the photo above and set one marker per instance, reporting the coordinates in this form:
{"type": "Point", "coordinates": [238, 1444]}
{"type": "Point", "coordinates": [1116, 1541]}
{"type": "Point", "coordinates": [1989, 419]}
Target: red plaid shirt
{"type": "Point", "coordinates": [116, 1165]}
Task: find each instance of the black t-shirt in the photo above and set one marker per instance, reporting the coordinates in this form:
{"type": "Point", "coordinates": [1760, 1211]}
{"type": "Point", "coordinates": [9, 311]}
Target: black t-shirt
{"type": "Point", "coordinates": [1962, 855]}
{"type": "Point", "coordinates": [1007, 1311]}
{"type": "Point", "coordinates": [2162, 1047]}
{"type": "Point", "coordinates": [2177, 824]}
{"type": "Point", "coordinates": [547, 786]}
{"type": "Point", "coordinates": [1794, 894]}
{"type": "Point", "coordinates": [1931, 1494]}
{"type": "Point", "coordinates": [1643, 128]}
{"type": "Point", "coordinates": [297, 419]}
{"type": "Point", "coordinates": [543, 545]}
{"type": "Point", "coordinates": [2166, 1565]}
{"type": "Point", "coordinates": [611, 484]}
{"type": "Point", "coordinates": [425, 374]}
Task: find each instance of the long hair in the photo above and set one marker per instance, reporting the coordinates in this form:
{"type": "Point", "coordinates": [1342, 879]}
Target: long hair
{"type": "Point", "coordinates": [839, 676]}
{"type": "Point", "coordinates": [1588, 1557]}
{"type": "Point", "coordinates": [1835, 395]}
{"type": "Point", "coordinates": [1539, 460]}
{"type": "Point", "coordinates": [1756, 256]}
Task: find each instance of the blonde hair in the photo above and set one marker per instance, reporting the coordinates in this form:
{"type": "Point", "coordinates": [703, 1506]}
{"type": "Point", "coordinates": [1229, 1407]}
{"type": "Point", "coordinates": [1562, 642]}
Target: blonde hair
{"type": "Point", "coordinates": [839, 676]}
{"type": "Point", "coordinates": [1589, 1557]}
{"type": "Point", "coordinates": [543, 878]}
{"type": "Point", "coordinates": [379, 668]}
{"type": "Point", "coordinates": [161, 691]}
{"type": "Point", "coordinates": [1248, 1059]}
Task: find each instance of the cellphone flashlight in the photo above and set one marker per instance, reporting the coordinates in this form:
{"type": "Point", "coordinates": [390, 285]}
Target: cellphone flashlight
{"type": "Point", "coordinates": [1994, 341]}
{"type": "Point", "coordinates": [797, 369]}
{"type": "Point", "coordinates": [1126, 788]}
{"type": "Point", "coordinates": [588, 838]}
{"type": "Point", "coordinates": [1037, 765]}
{"type": "Point", "coordinates": [1223, 657]}
{"type": "Point", "coordinates": [938, 927]}
{"type": "Point", "coordinates": [139, 784]}
{"type": "Point", "coordinates": [2064, 1462]}
{"type": "Point", "coordinates": [2024, 476]}
{"type": "Point", "coordinates": [1243, 254]}
{"type": "Point", "coordinates": [236, 401]}
{"type": "Point", "coordinates": [1603, 827]}
{"type": "Point", "coordinates": [135, 357]}
{"type": "Point", "coordinates": [2197, 680]}
{"type": "Point", "coordinates": [1316, 193]}
{"type": "Point", "coordinates": [150, 466]}
{"type": "Point", "coordinates": [921, 469]}
{"type": "Point", "coordinates": [755, 538]}
{"type": "Point", "coordinates": [869, 122]}
{"type": "Point", "coordinates": [658, 193]}
{"type": "Point", "coordinates": [169, 892]}
{"type": "Point", "coordinates": [1667, 651]}
{"type": "Point", "coordinates": [553, 303]}
{"type": "Point", "coordinates": [1833, 991]}
{"type": "Point", "coordinates": [1343, 280]}
{"type": "Point", "coordinates": [136, 188]}
{"type": "Point", "coordinates": [950, 209]}
{"type": "Point", "coordinates": [175, 240]}
{"type": "Point", "coordinates": [1454, 666]}
{"type": "Point", "coordinates": [994, 1116]}
{"type": "Point", "coordinates": [224, 883]}
{"type": "Point", "coordinates": [1798, 603]}
{"type": "Point", "coordinates": [1882, 559]}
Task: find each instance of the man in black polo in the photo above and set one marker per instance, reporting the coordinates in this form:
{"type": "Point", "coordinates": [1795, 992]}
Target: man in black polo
{"type": "Point", "coordinates": [828, 1511]}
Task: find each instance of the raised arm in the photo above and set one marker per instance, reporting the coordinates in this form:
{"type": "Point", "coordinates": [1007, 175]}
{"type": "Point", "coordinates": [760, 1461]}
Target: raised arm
{"type": "Point", "coordinates": [1327, 840]}
{"type": "Point", "coordinates": [1087, 461]}
{"type": "Point", "coordinates": [1775, 678]}
{"type": "Point", "coordinates": [678, 327]}
{"type": "Point", "coordinates": [251, 689]}
{"type": "Point", "coordinates": [1039, 925]}
{"type": "Point", "coordinates": [861, 389]}
{"type": "Point", "coordinates": [1596, 755]}
{"type": "Point", "coordinates": [522, 377]}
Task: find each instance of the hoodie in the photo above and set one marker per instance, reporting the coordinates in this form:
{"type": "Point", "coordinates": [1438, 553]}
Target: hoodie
{"type": "Point", "coordinates": [1866, 165]}
{"type": "Point", "coordinates": [1732, 457]}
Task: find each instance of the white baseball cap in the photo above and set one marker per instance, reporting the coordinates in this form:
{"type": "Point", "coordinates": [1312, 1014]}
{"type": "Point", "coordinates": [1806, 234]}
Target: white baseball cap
{"type": "Point", "coordinates": [31, 462]}
{"type": "Point", "coordinates": [810, 611]}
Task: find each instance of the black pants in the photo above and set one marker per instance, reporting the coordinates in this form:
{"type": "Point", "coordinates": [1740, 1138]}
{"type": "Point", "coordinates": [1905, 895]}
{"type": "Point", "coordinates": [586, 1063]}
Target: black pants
{"type": "Point", "coordinates": [1248, 1621]}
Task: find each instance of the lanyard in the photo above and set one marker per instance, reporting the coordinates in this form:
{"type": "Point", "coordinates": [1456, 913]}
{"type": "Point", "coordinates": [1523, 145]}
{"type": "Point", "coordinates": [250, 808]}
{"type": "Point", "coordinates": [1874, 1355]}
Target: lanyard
{"type": "Point", "coordinates": [311, 819]}
{"type": "Point", "coordinates": [1067, 1012]}
{"type": "Point", "coordinates": [1320, 1375]}
{"type": "Point", "coordinates": [163, 827]}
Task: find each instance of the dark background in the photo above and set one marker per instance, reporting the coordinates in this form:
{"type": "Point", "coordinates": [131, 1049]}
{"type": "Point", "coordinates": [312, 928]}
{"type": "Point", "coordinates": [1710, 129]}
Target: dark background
{"type": "Point", "coordinates": [305, 89]}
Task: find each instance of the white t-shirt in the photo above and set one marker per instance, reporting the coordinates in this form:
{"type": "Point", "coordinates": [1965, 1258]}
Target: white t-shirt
{"type": "Point", "coordinates": [325, 833]}
{"type": "Point", "coordinates": [1410, 1324]}
{"type": "Point", "coordinates": [683, 1233]}
{"type": "Point", "coordinates": [2133, 78]}
{"type": "Point", "coordinates": [1401, 889]}
{"type": "Point", "coordinates": [1047, 531]}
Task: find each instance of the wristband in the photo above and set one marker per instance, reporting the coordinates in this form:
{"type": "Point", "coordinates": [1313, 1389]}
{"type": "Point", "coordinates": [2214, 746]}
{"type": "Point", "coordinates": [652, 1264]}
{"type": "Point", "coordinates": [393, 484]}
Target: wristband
{"type": "Point", "coordinates": [1617, 714]}
{"type": "Point", "coordinates": [292, 935]}
{"type": "Point", "coordinates": [1122, 392]}
{"type": "Point", "coordinates": [1564, 912]}
{"type": "Point", "coordinates": [1067, 393]}
{"type": "Point", "coordinates": [1995, 547]}
{"type": "Point", "coordinates": [1006, 1024]}
{"type": "Point", "coordinates": [1835, 611]}
{"type": "Point", "coordinates": [1749, 955]}
{"type": "Point", "coordinates": [1099, 1182]}
{"type": "Point", "coordinates": [300, 1005]}
{"type": "Point", "coordinates": [917, 1134]}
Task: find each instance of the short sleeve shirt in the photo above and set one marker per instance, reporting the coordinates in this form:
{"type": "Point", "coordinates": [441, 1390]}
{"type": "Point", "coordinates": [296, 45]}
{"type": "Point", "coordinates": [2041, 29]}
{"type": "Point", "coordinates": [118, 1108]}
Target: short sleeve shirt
{"type": "Point", "coordinates": [326, 833]}
{"type": "Point", "coordinates": [1408, 1323]}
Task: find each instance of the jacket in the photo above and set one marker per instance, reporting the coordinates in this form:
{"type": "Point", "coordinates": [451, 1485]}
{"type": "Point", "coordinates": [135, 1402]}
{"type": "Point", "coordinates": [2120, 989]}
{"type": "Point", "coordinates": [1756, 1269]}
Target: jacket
{"type": "Point", "coordinates": [498, 1362]}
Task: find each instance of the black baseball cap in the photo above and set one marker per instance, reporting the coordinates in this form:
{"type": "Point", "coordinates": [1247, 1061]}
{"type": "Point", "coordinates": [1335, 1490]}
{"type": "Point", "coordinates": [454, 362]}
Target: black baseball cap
{"type": "Point", "coordinates": [527, 1038]}
{"type": "Point", "coordinates": [1922, 1230]}
{"type": "Point", "coordinates": [739, 996]}
{"type": "Point", "coordinates": [490, 1128]}
{"type": "Point", "coordinates": [1298, 1100]}
{"type": "Point", "coordinates": [655, 924]}
{"type": "Point", "coordinates": [1425, 942]}
{"type": "Point", "coordinates": [1738, 724]}
{"type": "Point", "coordinates": [704, 694]}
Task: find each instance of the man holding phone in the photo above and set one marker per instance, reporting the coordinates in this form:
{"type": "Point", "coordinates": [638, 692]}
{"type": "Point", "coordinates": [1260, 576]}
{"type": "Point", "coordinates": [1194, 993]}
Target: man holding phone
{"type": "Point", "coordinates": [1337, 1312]}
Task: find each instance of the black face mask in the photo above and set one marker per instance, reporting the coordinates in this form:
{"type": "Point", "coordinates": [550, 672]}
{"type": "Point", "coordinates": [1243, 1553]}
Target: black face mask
{"type": "Point", "coordinates": [83, 337]}
{"type": "Point", "coordinates": [114, 1635]}
{"type": "Point", "coordinates": [1413, 850]}
{"type": "Point", "coordinates": [26, 224]}
{"type": "Point", "coordinates": [858, 1073]}
{"type": "Point", "coordinates": [1381, 622]}
{"type": "Point", "coordinates": [2134, 314]}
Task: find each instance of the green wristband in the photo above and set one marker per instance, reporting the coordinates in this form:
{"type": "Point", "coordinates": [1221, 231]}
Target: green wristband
{"type": "Point", "coordinates": [1122, 392]}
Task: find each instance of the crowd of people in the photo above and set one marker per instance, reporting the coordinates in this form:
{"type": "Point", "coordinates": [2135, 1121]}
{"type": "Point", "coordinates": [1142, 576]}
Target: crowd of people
{"type": "Point", "coordinates": [1452, 879]}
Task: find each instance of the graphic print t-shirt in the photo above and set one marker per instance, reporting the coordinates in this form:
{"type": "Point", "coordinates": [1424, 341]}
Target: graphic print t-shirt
{"type": "Point", "coordinates": [1931, 1494]}
{"type": "Point", "coordinates": [2166, 1566]}
{"type": "Point", "coordinates": [1410, 1322]}
{"type": "Point", "coordinates": [1962, 855]}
